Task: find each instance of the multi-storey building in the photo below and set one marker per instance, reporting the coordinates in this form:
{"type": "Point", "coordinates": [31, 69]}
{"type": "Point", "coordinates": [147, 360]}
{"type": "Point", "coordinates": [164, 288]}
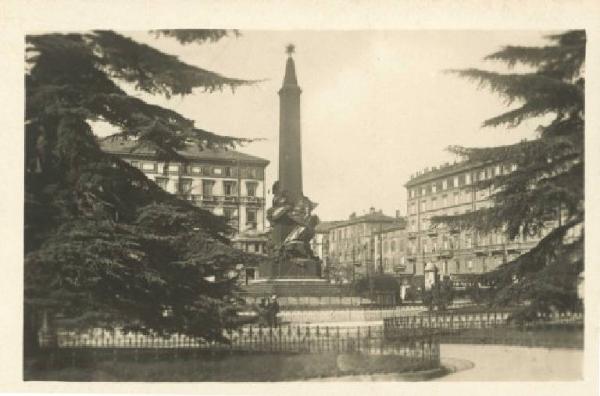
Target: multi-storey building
{"type": "Point", "coordinates": [451, 190]}
{"type": "Point", "coordinates": [226, 182]}
{"type": "Point", "coordinates": [351, 246]}
{"type": "Point", "coordinates": [390, 249]}
{"type": "Point", "coordinates": [320, 244]}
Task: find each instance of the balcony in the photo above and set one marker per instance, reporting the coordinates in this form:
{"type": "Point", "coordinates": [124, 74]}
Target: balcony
{"type": "Point", "coordinates": [514, 248]}
{"type": "Point", "coordinates": [446, 253]}
{"type": "Point", "coordinates": [400, 268]}
{"type": "Point", "coordinates": [229, 199]}
{"type": "Point", "coordinates": [252, 200]}
{"type": "Point", "coordinates": [480, 250]}
{"type": "Point", "coordinates": [204, 199]}
{"type": "Point", "coordinates": [497, 249]}
{"type": "Point", "coordinates": [432, 231]}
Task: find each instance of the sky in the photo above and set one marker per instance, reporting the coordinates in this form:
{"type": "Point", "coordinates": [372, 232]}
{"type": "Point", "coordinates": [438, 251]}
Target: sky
{"type": "Point", "coordinates": [377, 106]}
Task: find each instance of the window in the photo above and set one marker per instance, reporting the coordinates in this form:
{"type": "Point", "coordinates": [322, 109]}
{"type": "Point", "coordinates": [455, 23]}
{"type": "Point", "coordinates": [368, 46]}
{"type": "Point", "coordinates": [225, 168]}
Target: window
{"type": "Point", "coordinates": [497, 172]}
{"type": "Point", "coordinates": [174, 168]}
{"type": "Point", "coordinates": [251, 189]}
{"type": "Point", "coordinates": [423, 204]}
{"type": "Point", "coordinates": [185, 186]}
{"type": "Point", "coordinates": [457, 266]}
{"type": "Point", "coordinates": [135, 164]}
{"type": "Point", "coordinates": [217, 171]}
{"type": "Point", "coordinates": [251, 217]}
{"type": "Point", "coordinates": [444, 184]}
{"type": "Point", "coordinates": [196, 170]}
{"type": "Point", "coordinates": [455, 198]}
{"type": "Point", "coordinates": [445, 200]}
{"type": "Point", "coordinates": [433, 203]}
{"type": "Point", "coordinates": [482, 175]}
{"type": "Point", "coordinates": [162, 182]}
{"type": "Point", "coordinates": [468, 178]}
{"type": "Point", "coordinates": [434, 188]}
{"type": "Point", "coordinates": [455, 181]}
{"type": "Point", "coordinates": [207, 187]}
{"type": "Point", "coordinates": [229, 188]}
{"type": "Point", "coordinates": [422, 190]}
{"type": "Point", "coordinates": [228, 171]}
{"type": "Point", "coordinates": [229, 213]}
{"type": "Point", "coordinates": [470, 265]}
{"type": "Point", "coordinates": [251, 173]}
{"type": "Point", "coordinates": [149, 166]}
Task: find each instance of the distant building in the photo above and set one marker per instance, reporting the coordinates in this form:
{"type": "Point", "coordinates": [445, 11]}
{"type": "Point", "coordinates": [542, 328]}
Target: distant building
{"type": "Point", "coordinates": [226, 182]}
{"type": "Point", "coordinates": [320, 243]}
{"type": "Point", "coordinates": [351, 246]}
{"type": "Point", "coordinates": [390, 252]}
{"type": "Point", "coordinates": [450, 190]}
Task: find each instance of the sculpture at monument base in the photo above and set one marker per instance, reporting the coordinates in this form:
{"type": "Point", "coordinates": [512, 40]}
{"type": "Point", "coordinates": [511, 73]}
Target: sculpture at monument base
{"type": "Point", "coordinates": [293, 257]}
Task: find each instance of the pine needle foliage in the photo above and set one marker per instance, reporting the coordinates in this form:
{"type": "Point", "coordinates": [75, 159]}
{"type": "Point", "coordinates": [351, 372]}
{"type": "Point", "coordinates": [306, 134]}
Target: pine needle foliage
{"type": "Point", "coordinates": [103, 244]}
{"type": "Point", "coordinates": [545, 193]}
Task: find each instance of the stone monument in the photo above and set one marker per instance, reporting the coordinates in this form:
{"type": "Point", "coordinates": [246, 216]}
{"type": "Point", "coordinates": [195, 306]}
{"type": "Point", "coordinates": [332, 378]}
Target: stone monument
{"type": "Point", "coordinates": [291, 217]}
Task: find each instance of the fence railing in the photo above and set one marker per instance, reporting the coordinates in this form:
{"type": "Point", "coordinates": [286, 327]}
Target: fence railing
{"type": "Point", "coordinates": [291, 339]}
{"type": "Point", "coordinates": [451, 323]}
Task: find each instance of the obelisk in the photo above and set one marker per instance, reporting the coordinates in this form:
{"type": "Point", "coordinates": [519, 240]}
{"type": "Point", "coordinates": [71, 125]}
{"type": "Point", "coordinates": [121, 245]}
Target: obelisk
{"type": "Point", "coordinates": [290, 142]}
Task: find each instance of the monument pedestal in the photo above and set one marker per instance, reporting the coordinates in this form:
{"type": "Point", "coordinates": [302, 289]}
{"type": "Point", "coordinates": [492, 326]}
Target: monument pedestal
{"type": "Point", "coordinates": [290, 268]}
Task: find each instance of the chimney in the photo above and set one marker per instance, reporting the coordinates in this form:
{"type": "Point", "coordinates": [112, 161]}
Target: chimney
{"type": "Point", "coordinates": [371, 210]}
{"type": "Point", "coordinates": [352, 215]}
{"type": "Point", "coordinates": [397, 213]}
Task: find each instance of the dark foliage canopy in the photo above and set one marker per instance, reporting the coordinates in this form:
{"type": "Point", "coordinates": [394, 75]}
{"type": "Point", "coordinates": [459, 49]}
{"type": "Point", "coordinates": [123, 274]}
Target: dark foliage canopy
{"type": "Point", "coordinates": [103, 244]}
{"type": "Point", "coordinates": [545, 194]}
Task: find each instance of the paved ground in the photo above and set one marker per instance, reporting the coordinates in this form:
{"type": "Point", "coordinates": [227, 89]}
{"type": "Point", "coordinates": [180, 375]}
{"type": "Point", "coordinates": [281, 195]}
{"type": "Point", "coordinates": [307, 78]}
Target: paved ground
{"type": "Point", "coordinates": [493, 363]}
{"type": "Point", "coordinates": [510, 363]}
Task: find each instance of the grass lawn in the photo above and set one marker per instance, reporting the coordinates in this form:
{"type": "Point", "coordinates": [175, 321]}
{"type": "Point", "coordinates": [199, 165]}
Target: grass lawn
{"type": "Point", "coordinates": [223, 367]}
{"type": "Point", "coordinates": [557, 337]}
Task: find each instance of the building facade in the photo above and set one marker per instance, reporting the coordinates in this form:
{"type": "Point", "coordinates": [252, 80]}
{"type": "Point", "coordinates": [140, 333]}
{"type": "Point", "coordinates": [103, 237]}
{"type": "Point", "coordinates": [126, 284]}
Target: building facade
{"type": "Point", "coordinates": [351, 246]}
{"type": "Point", "coordinates": [451, 190]}
{"type": "Point", "coordinates": [226, 182]}
{"type": "Point", "coordinates": [390, 249]}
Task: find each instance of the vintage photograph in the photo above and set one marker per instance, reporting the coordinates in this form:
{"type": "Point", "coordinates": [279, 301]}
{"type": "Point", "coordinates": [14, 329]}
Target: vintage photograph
{"type": "Point", "coordinates": [206, 205]}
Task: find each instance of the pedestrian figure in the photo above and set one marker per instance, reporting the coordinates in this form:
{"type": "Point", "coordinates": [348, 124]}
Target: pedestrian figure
{"type": "Point", "coordinates": [273, 311]}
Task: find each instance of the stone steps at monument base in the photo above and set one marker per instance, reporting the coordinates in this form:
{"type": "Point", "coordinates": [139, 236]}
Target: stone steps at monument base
{"type": "Point", "coordinates": [295, 289]}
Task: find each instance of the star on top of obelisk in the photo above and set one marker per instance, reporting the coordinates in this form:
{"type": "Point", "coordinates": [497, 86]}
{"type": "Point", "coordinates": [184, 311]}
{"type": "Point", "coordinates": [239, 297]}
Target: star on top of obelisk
{"type": "Point", "coordinates": [290, 68]}
{"type": "Point", "coordinates": [290, 49]}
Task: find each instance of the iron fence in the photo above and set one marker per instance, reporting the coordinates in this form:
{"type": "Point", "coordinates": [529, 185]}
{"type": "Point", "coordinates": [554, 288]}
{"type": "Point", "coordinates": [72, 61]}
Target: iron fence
{"type": "Point", "coordinates": [282, 339]}
{"type": "Point", "coordinates": [456, 326]}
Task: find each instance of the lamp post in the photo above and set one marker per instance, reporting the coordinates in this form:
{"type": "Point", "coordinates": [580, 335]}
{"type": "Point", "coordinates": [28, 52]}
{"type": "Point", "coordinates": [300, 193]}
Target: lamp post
{"type": "Point", "coordinates": [353, 264]}
{"type": "Point", "coordinates": [380, 249]}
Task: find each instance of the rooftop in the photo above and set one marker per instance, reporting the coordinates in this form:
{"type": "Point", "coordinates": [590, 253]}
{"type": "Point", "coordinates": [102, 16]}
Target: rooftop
{"type": "Point", "coordinates": [371, 217]}
{"type": "Point", "coordinates": [399, 224]}
{"type": "Point", "coordinates": [192, 152]}
{"type": "Point", "coordinates": [446, 169]}
{"type": "Point", "coordinates": [325, 226]}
